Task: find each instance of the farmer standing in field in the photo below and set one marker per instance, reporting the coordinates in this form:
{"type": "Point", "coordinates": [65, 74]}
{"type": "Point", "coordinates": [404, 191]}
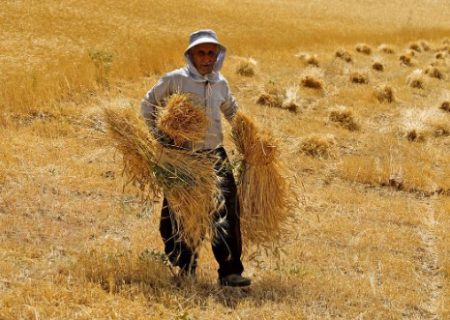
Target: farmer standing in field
{"type": "Point", "coordinates": [201, 79]}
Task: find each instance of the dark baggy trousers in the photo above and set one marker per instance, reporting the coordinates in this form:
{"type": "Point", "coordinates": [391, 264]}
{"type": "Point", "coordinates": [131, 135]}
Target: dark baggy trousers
{"type": "Point", "coordinates": [226, 245]}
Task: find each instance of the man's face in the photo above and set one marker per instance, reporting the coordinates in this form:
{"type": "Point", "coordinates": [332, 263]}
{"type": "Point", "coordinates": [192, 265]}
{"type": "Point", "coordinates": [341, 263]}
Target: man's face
{"type": "Point", "coordinates": [204, 56]}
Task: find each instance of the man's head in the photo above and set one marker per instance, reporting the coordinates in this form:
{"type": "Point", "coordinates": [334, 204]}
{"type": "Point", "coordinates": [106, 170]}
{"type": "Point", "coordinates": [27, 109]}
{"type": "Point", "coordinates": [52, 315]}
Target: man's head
{"type": "Point", "coordinates": [204, 51]}
{"type": "Point", "coordinates": [204, 56]}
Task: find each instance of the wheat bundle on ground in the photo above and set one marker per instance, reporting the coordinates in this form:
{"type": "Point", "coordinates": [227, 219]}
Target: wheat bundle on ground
{"type": "Point", "coordinates": [309, 81]}
{"type": "Point", "coordinates": [343, 117]}
{"type": "Point", "coordinates": [246, 67]}
{"type": "Point", "coordinates": [272, 96]}
{"type": "Point", "coordinates": [378, 66]}
{"type": "Point", "coordinates": [307, 58]}
{"type": "Point", "coordinates": [270, 100]}
{"type": "Point", "coordinates": [415, 47]}
{"type": "Point", "coordinates": [363, 48]}
{"type": "Point", "coordinates": [407, 60]}
{"type": "Point", "coordinates": [263, 190]}
{"type": "Point", "coordinates": [316, 145]}
{"type": "Point", "coordinates": [385, 93]}
{"type": "Point", "coordinates": [187, 180]}
{"type": "Point", "coordinates": [386, 49]}
{"type": "Point", "coordinates": [416, 79]}
{"type": "Point", "coordinates": [434, 72]}
{"type": "Point", "coordinates": [359, 77]}
{"type": "Point", "coordinates": [290, 101]}
{"type": "Point", "coordinates": [425, 45]}
{"type": "Point", "coordinates": [344, 55]}
{"type": "Point", "coordinates": [445, 106]}
{"type": "Point", "coordinates": [440, 55]}
{"type": "Point", "coordinates": [182, 121]}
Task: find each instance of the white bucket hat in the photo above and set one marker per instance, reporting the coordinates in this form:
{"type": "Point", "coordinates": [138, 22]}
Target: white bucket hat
{"type": "Point", "coordinates": [203, 36]}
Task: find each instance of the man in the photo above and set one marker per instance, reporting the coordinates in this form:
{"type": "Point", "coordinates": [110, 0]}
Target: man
{"type": "Point", "coordinates": [208, 88]}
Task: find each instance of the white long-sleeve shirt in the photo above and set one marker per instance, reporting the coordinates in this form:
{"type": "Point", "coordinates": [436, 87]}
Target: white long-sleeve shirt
{"type": "Point", "coordinates": [210, 92]}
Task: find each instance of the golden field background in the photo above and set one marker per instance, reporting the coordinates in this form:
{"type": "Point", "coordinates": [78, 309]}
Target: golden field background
{"type": "Point", "coordinates": [371, 237]}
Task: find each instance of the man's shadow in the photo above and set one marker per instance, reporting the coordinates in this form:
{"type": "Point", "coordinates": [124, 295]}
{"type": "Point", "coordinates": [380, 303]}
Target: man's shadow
{"type": "Point", "coordinates": [262, 290]}
{"type": "Point", "coordinates": [155, 279]}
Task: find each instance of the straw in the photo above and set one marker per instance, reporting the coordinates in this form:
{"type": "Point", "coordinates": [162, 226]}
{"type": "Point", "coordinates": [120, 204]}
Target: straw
{"type": "Point", "coordinates": [187, 179]}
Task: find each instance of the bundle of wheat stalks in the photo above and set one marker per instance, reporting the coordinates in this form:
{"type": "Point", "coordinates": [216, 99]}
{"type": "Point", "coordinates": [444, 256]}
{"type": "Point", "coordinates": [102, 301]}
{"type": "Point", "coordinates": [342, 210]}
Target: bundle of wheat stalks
{"type": "Point", "coordinates": [263, 190]}
{"type": "Point", "coordinates": [182, 121]}
{"type": "Point", "coordinates": [187, 179]}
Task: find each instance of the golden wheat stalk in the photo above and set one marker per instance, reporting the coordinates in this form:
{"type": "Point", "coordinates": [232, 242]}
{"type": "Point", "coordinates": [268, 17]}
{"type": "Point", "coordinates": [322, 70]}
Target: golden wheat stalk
{"type": "Point", "coordinates": [263, 190]}
{"type": "Point", "coordinates": [137, 147]}
{"type": "Point", "coordinates": [182, 121]}
{"type": "Point", "coordinates": [196, 199]}
{"type": "Point", "coordinates": [187, 179]}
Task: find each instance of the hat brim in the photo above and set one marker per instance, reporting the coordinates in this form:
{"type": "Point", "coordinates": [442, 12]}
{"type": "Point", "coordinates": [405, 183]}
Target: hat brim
{"type": "Point", "coordinates": [203, 40]}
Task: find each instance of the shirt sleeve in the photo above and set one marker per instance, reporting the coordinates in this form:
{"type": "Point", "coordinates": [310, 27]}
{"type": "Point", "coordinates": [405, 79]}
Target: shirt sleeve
{"type": "Point", "coordinates": [229, 107]}
{"type": "Point", "coordinates": [153, 101]}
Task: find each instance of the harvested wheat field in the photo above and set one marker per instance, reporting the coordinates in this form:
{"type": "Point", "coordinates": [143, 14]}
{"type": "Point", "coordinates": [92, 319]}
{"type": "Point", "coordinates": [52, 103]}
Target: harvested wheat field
{"type": "Point", "coordinates": [368, 159]}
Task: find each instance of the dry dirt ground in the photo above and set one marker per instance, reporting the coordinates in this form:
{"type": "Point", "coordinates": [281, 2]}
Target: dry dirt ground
{"type": "Point", "coordinates": [367, 142]}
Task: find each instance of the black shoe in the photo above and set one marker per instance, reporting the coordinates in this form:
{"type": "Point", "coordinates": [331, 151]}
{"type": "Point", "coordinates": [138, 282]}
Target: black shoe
{"type": "Point", "coordinates": [235, 280]}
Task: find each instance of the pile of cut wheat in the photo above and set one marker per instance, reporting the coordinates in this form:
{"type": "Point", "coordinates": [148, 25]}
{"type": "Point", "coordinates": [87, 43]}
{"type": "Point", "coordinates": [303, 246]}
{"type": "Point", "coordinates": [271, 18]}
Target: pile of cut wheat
{"type": "Point", "coordinates": [182, 121]}
{"type": "Point", "coordinates": [263, 189]}
{"type": "Point", "coordinates": [187, 179]}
